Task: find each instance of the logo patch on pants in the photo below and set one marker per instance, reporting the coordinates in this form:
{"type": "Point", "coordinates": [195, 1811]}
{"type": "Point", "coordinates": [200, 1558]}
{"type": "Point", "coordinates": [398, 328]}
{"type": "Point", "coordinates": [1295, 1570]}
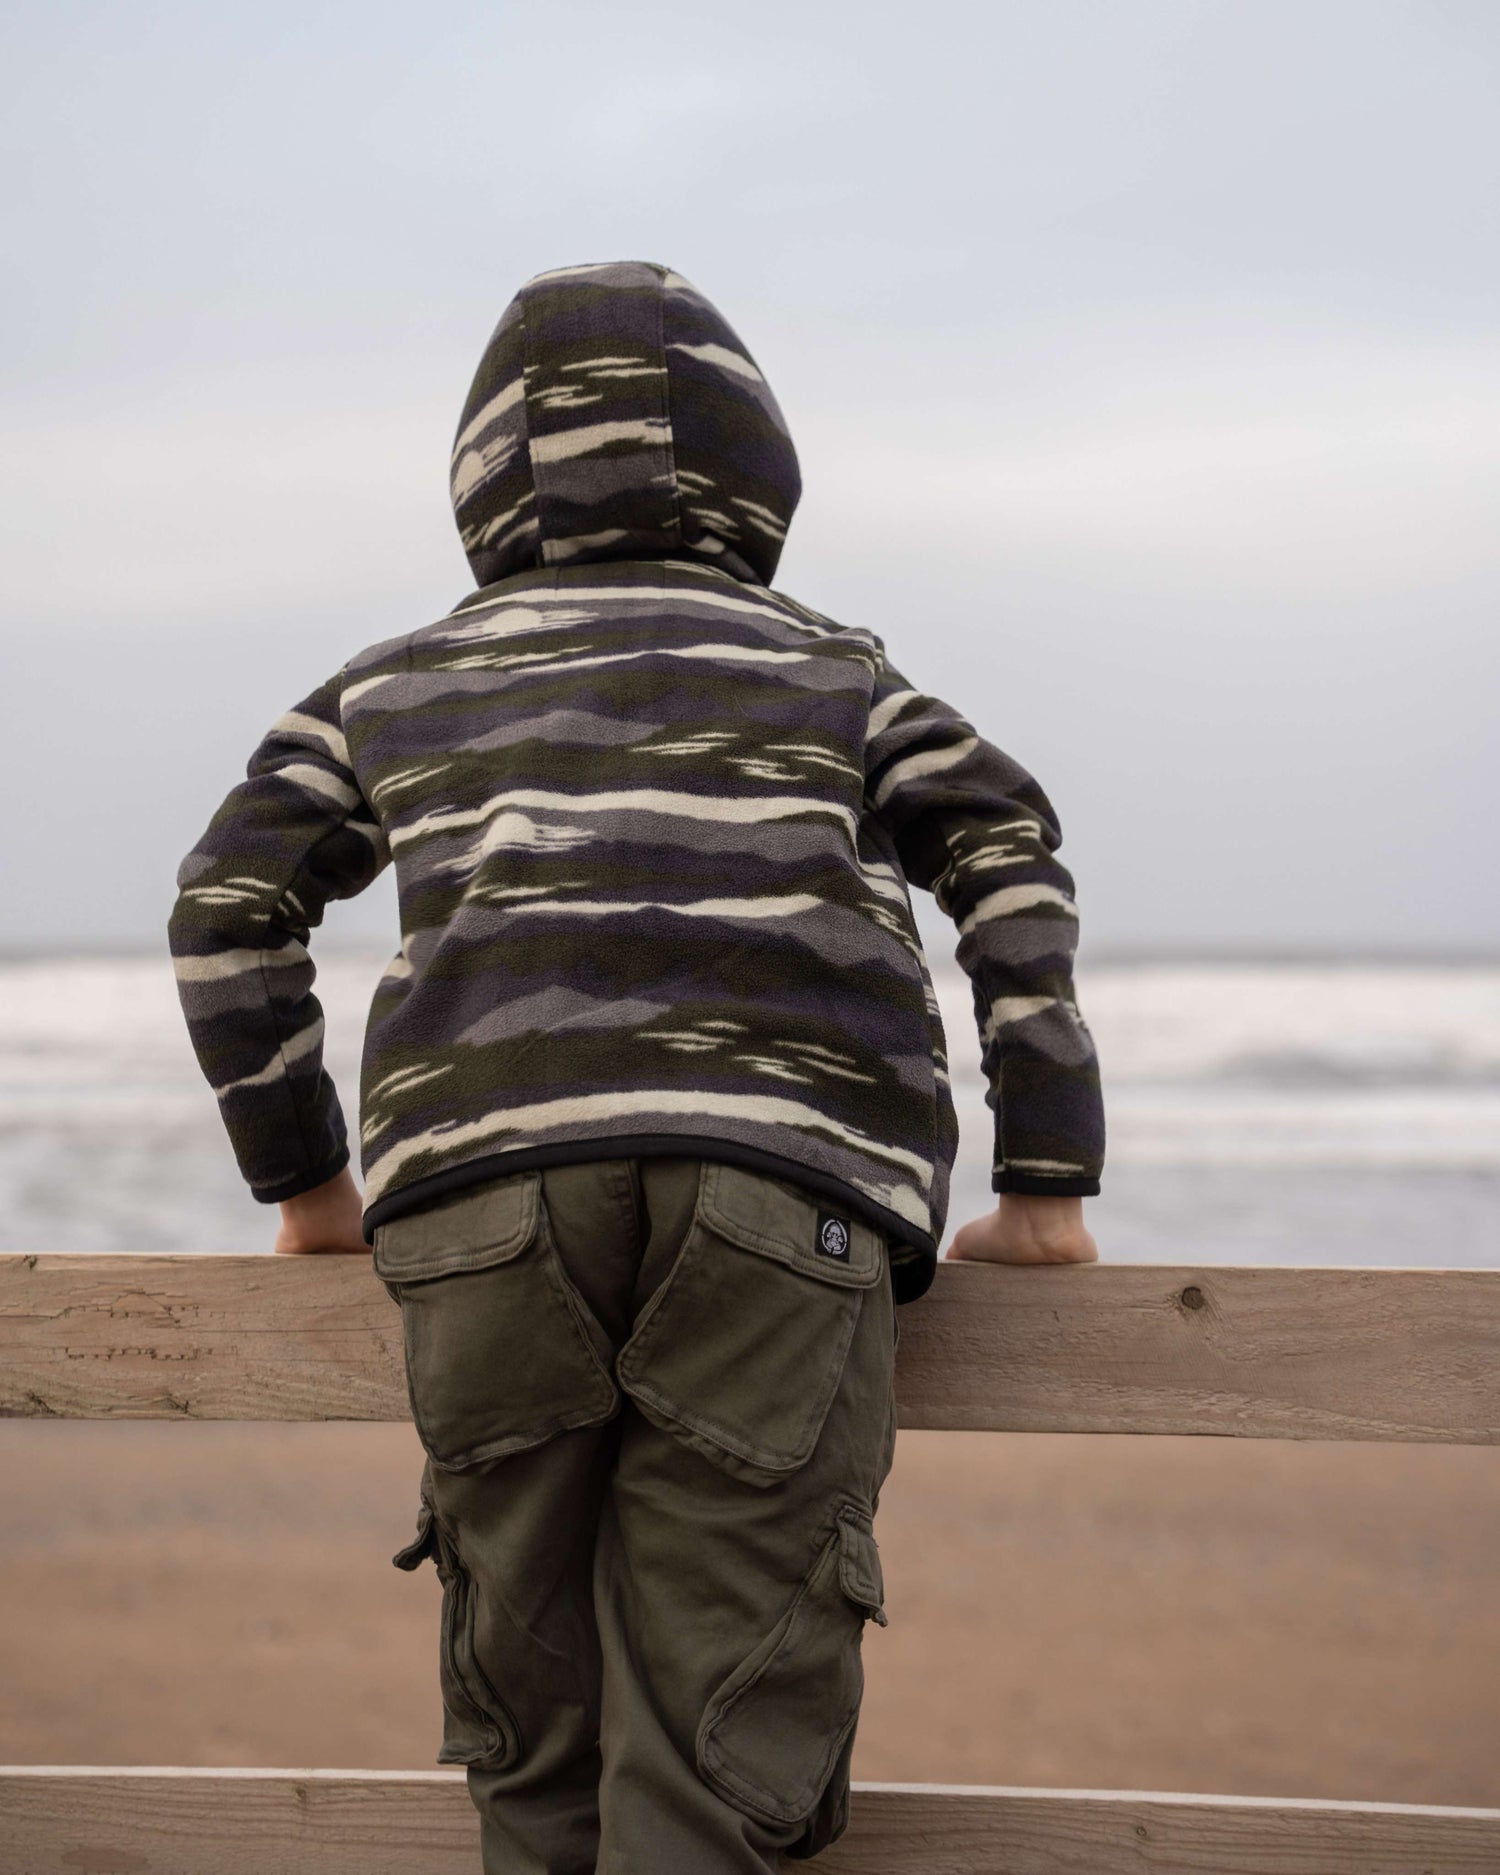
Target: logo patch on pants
{"type": "Point", "coordinates": [833, 1237]}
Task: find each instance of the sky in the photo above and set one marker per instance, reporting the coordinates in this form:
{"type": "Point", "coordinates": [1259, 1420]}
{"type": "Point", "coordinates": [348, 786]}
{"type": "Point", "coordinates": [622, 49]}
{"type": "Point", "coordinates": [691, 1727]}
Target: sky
{"type": "Point", "coordinates": [1141, 358]}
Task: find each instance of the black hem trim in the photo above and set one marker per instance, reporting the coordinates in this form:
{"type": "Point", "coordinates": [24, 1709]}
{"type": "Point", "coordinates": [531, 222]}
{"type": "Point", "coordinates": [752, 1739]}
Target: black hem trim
{"type": "Point", "coordinates": [303, 1181]}
{"type": "Point", "coordinates": [909, 1278]}
{"type": "Point", "coordinates": [1040, 1185]}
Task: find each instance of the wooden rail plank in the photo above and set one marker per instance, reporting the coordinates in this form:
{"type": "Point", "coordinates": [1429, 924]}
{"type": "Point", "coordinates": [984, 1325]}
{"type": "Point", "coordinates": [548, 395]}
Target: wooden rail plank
{"type": "Point", "coordinates": [198, 1337]}
{"type": "Point", "coordinates": [58, 1821]}
{"type": "Point", "coordinates": [1409, 1354]}
{"type": "Point", "coordinates": [1262, 1352]}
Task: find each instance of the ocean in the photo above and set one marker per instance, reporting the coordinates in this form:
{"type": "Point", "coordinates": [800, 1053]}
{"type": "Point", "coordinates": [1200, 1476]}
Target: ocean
{"type": "Point", "coordinates": [1339, 1111]}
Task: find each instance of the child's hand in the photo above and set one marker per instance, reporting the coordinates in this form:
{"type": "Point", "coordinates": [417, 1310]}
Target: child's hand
{"type": "Point", "coordinates": [1027, 1230]}
{"type": "Point", "coordinates": [323, 1219]}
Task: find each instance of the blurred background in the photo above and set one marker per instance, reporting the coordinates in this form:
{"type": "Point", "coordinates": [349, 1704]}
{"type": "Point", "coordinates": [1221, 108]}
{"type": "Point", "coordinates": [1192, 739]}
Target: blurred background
{"type": "Point", "coordinates": [1141, 361]}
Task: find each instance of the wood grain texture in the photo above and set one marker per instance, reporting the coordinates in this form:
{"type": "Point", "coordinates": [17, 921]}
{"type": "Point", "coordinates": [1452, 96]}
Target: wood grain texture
{"type": "Point", "coordinates": [60, 1821]}
{"type": "Point", "coordinates": [198, 1337]}
{"type": "Point", "coordinates": [935, 1829]}
{"type": "Point", "coordinates": [1266, 1352]}
{"type": "Point", "coordinates": [1140, 1348]}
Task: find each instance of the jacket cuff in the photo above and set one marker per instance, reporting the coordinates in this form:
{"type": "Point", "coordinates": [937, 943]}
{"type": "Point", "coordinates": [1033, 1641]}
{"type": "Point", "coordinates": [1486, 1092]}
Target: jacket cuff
{"type": "Point", "coordinates": [1041, 1185]}
{"type": "Point", "coordinates": [302, 1181]}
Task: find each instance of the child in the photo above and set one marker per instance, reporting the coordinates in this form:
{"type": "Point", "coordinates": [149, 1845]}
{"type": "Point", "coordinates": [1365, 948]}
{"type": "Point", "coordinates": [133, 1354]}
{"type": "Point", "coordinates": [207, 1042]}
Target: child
{"type": "Point", "coordinates": [655, 1122]}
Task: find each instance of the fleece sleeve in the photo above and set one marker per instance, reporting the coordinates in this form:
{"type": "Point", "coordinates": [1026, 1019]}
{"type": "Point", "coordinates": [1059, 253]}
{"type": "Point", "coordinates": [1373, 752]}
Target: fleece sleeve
{"type": "Point", "coordinates": [296, 833]}
{"type": "Point", "coordinates": [972, 827]}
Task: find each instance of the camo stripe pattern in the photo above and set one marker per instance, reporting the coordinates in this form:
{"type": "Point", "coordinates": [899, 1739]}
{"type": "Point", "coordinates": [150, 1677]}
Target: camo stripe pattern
{"type": "Point", "coordinates": [653, 827]}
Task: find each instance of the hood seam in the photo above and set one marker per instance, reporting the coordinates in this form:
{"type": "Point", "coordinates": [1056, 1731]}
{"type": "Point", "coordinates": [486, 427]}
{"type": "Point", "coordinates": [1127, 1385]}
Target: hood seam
{"type": "Point", "coordinates": [540, 551]}
{"type": "Point", "coordinates": [666, 406]}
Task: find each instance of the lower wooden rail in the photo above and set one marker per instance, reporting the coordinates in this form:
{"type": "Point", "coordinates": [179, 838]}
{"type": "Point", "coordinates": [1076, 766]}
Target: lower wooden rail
{"type": "Point", "coordinates": [63, 1820]}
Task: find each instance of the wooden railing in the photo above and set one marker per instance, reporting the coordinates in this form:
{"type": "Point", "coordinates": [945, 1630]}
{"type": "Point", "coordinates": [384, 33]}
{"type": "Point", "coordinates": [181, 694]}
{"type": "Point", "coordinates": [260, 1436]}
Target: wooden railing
{"type": "Point", "coordinates": [1258, 1353]}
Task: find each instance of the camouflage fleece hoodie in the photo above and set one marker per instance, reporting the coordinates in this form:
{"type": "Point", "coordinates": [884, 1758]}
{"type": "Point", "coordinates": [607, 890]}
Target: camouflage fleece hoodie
{"type": "Point", "coordinates": [653, 827]}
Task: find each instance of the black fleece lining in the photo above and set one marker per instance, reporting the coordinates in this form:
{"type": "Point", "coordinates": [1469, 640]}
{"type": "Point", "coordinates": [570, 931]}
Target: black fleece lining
{"type": "Point", "coordinates": [1041, 1185]}
{"type": "Point", "coordinates": [910, 1276]}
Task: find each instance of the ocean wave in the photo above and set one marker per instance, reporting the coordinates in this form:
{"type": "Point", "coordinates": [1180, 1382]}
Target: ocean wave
{"type": "Point", "coordinates": [1374, 1066]}
{"type": "Point", "coordinates": [1297, 1026]}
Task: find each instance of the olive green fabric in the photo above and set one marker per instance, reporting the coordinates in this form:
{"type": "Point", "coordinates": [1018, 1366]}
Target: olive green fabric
{"type": "Point", "coordinates": [656, 1397]}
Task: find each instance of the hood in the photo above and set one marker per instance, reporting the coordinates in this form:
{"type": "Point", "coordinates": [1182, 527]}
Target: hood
{"type": "Point", "coordinates": [616, 415]}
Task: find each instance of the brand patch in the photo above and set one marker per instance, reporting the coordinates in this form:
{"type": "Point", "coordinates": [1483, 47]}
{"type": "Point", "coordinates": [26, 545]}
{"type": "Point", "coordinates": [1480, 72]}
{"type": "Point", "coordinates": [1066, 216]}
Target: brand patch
{"type": "Point", "coordinates": [833, 1237]}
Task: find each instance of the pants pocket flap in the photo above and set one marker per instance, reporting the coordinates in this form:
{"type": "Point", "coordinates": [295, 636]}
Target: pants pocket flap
{"type": "Point", "coordinates": [422, 1545]}
{"type": "Point", "coordinates": [740, 1356]}
{"type": "Point", "coordinates": [471, 1232]}
{"type": "Point", "coordinates": [808, 1234]}
{"type": "Point", "coordinates": [502, 1353]}
{"type": "Point", "coordinates": [860, 1574]}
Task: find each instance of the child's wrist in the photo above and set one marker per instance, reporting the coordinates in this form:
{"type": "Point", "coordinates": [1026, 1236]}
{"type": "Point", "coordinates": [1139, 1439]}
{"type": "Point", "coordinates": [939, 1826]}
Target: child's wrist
{"type": "Point", "coordinates": [326, 1217]}
{"type": "Point", "coordinates": [1025, 1200]}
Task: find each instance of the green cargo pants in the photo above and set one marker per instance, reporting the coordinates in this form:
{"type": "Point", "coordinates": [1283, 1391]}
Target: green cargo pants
{"type": "Point", "coordinates": [656, 1400]}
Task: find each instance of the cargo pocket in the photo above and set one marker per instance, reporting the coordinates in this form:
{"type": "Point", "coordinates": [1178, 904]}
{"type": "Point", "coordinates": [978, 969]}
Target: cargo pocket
{"type": "Point", "coordinates": [740, 1351]}
{"type": "Point", "coordinates": [501, 1353]}
{"type": "Point", "coordinates": [776, 1737]}
{"type": "Point", "coordinates": [478, 1727]}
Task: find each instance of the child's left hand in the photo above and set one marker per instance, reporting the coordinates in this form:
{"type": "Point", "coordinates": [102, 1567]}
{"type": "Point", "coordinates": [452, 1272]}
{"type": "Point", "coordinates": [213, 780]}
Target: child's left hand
{"type": "Point", "coordinates": [327, 1218]}
{"type": "Point", "coordinates": [1024, 1229]}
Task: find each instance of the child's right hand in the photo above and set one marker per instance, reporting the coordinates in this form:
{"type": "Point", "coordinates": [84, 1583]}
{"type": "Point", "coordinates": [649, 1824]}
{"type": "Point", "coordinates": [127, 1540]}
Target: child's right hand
{"type": "Point", "coordinates": [1024, 1229]}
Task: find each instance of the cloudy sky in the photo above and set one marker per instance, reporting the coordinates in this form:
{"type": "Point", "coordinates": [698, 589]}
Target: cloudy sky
{"type": "Point", "coordinates": [1141, 355]}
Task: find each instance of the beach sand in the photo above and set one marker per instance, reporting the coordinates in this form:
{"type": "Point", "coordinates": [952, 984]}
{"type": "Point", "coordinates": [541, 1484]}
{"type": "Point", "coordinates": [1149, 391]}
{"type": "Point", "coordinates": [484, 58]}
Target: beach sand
{"type": "Point", "coordinates": [1306, 1620]}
